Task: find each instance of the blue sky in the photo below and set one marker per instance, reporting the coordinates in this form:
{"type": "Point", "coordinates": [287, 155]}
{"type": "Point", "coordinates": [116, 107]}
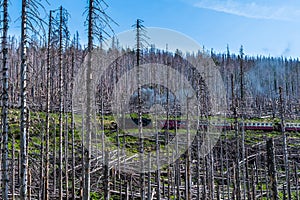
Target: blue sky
{"type": "Point", "coordinates": [263, 27]}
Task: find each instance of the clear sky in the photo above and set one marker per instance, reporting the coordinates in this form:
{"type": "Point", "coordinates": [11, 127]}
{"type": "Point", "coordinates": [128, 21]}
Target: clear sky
{"type": "Point", "coordinates": [263, 27]}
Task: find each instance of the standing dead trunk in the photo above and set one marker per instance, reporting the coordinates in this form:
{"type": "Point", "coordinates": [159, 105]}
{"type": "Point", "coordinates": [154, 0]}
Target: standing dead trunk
{"type": "Point", "coordinates": [285, 150]}
{"type": "Point", "coordinates": [87, 150]}
{"type": "Point", "coordinates": [228, 172]}
{"type": "Point", "coordinates": [60, 171]}
{"type": "Point", "coordinates": [48, 109]}
{"type": "Point", "coordinates": [242, 103]}
{"type": "Point", "coordinates": [247, 175]}
{"type": "Point", "coordinates": [272, 168]}
{"type": "Point", "coordinates": [54, 158]}
{"type": "Point", "coordinates": [5, 178]}
{"type": "Point", "coordinates": [222, 169]}
{"type": "Point", "coordinates": [13, 173]}
{"type": "Point", "coordinates": [41, 189]}
{"type": "Point", "coordinates": [237, 157]}
{"type": "Point", "coordinates": [253, 184]}
{"type": "Point", "coordinates": [24, 110]}
{"type": "Point", "coordinates": [106, 175]}
{"type": "Point", "coordinates": [198, 166]}
{"type": "Point", "coordinates": [96, 21]}
{"type": "Point", "coordinates": [188, 156]}
{"type": "Point", "coordinates": [140, 124]}
{"type": "Point", "coordinates": [66, 135]}
{"type": "Point", "coordinates": [72, 128]}
{"type": "Point", "coordinates": [297, 181]}
{"type": "Point", "coordinates": [149, 177]}
{"type": "Point", "coordinates": [157, 148]}
{"type": "Point", "coordinates": [29, 185]}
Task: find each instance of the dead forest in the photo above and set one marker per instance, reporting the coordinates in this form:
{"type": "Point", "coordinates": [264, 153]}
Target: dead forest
{"type": "Point", "coordinates": [63, 137]}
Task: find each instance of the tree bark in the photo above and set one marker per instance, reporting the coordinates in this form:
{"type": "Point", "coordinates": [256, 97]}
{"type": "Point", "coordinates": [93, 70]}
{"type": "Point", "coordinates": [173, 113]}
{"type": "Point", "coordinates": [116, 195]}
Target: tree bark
{"type": "Point", "coordinates": [272, 168]}
{"type": "Point", "coordinates": [5, 99]}
{"type": "Point", "coordinates": [60, 171]}
{"type": "Point", "coordinates": [24, 110]}
{"type": "Point", "coordinates": [284, 141]}
{"type": "Point", "coordinates": [48, 109]}
{"type": "Point", "coordinates": [87, 151]}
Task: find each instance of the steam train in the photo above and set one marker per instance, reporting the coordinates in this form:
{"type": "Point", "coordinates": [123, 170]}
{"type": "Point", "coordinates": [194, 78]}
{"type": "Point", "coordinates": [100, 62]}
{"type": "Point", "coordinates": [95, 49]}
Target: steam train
{"type": "Point", "coordinates": [255, 126]}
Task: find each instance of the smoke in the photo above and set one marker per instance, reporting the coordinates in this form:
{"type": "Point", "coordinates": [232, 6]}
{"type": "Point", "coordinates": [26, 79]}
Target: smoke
{"type": "Point", "coordinates": [287, 50]}
{"type": "Point", "coordinates": [265, 77]}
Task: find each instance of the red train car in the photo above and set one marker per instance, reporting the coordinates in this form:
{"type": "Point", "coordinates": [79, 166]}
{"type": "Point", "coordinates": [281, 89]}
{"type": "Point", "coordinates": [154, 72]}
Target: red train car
{"type": "Point", "coordinates": [290, 127]}
{"type": "Point", "coordinates": [257, 126]}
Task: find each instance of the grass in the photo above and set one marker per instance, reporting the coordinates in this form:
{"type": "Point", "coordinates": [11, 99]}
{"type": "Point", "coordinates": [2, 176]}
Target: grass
{"type": "Point", "coordinates": [37, 126]}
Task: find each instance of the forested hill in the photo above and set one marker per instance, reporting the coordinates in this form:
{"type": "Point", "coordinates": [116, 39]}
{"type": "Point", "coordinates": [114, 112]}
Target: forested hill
{"type": "Point", "coordinates": [261, 76]}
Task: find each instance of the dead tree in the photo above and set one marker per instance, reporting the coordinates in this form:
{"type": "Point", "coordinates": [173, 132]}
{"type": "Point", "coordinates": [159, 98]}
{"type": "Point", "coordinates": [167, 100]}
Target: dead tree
{"type": "Point", "coordinates": [13, 173]}
{"type": "Point", "coordinates": [272, 168]}
{"type": "Point", "coordinates": [140, 123]}
{"type": "Point", "coordinates": [48, 108]}
{"type": "Point", "coordinates": [63, 34]}
{"type": "Point", "coordinates": [5, 178]}
{"type": "Point", "coordinates": [60, 170]}
{"type": "Point", "coordinates": [72, 119]}
{"type": "Point", "coordinates": [97, 19]}
{"type": "Point", "coordinates": [24, 167]}
{"type": "Point", "coordinates": [237, 158]}
{"type": "Point", "coordinates": [30, 21]}
{"type": "Point", "coordinates": [284, 141]}
{"type": "Point", "coordinates": [243, 106]}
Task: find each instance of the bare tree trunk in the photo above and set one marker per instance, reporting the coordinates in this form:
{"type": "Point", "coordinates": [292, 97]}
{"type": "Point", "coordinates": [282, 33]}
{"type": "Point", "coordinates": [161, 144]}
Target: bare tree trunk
{"type": "Point", "coordinates": [237, 157]}
{"type": "Point", "coordinates": [265, 167]}
{"type": "Point", "coordinates": [198, 163]}
{"type": "Point", "coordinates": [272, 168]}
{"type": "Point", "coordinates": [205, 179]}
{"type": "Point", "coordinates": [284, 192]}
{"type": "Point", "coordinates": [247, 176]}
{"type": "Point", "coordinates": [233, 195]}
{"type": "Point", "coordinates": [212, 177]}
{"type": "Point", "coordinates": [66, 138]}
{"type": "Point", "coordinates": [54, 158]}
{"type": "Point", "coordinates": [297, 181]}
{"type": "Point", "coordinates": [24, 110]}
{"type": "Point", "coordinates": [259, 174]}
{"type": "Point", "coordinates": [87, 153]}
{"type": "Point", "coordinates": [188, 155]}
{"type": "Point", "coordinates": [227, 167]}
{"type": "Point", "coordinates": [157, 147]}
{"type": "Point", "coordinates": [67, 101]}
{"type": "Point", "coordinates": [82, 181]}
{"type": "Point", "coordinates": [48, 110]}
{"type": "Point", "coordinates": [5, 178]}
{"type": "Point", "coordinates": [13, 173]}
{"type": "Point", "coordinates": [29, 185]}
{"type": "Point", "coordinates": [285, 150]}
{"type": "Point", "coordinates": [41, 184]}
{"type": "Point", "coordinates": [106, 175]}
{"type": "Point", "coordinates": [222, 194]}
{"type": "Point", "coordinates": [242, 103]}
{"type": "Point", "coordinates": [60, 171]}
{"type": "Point", "coordinates": [149, 177]}
{"type": "Point", "coordinates": [253, 184]}
{"type": "Point", "coordinates": [72, 129]}
{"type": "Point", "coordinates": [140, 123]}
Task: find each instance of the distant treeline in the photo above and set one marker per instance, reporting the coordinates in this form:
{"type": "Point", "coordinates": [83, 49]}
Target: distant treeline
{"type": "Point", "coordinates": [256, 79]}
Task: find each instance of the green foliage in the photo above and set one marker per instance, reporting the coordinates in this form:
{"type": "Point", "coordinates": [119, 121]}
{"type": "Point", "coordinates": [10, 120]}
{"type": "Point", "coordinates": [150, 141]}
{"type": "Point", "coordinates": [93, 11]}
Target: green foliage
{"type": "Point", "coordinates": [95, 196]}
